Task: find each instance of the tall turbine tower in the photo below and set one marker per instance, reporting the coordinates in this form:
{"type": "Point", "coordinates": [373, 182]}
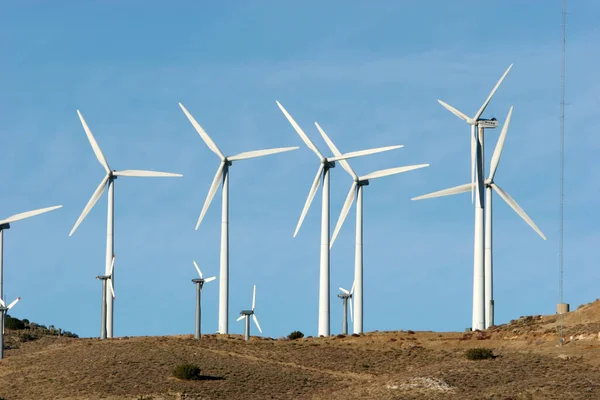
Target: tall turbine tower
{"type": "Point", "coordinates": [356, 191]}
{"type": "Point", "coordinates": [222, 175]}
{"type": "Point", "coordinates": [477, 184]}
{"type": "Point", "coordinates": [323, 174]}
{"type": "Point", "coordinates": [109, 180]}
{"type": "Point", "coordinates": [199, 282]}
{"type": "Point", "coordinates": [4, 225]}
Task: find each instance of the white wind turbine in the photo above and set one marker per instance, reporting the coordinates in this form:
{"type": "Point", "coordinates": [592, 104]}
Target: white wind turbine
{"type": "Point", "coordinates": [246, 314]}
{"type": "Point", "coordinates": [489, 186]}
{"type": "Point", "coordinates": [106, 284]}
{"type": "Point", "coordinates": [4, 309]}
{"type": "Point", "coordinates": [4, 225]}
{"type": "Point", "coordinates": [345, 296]}
{"type": "Point", "coordinates": [356, 191]}
{"type": "Point", "coordinates": [477, 155]}
{"type": "Point", "coordinates": [326, 163]}
{"type": "Point", "coordinates": [199, 282]}
{"type": "Point", "coordinates": [109, 180]}
{"type": "Point", "coordinates": [222, 175]}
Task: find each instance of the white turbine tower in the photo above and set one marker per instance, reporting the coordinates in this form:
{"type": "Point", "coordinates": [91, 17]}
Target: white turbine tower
{"type": "Point", "coordinates": [222, 175]}
{"type": "Point", "coordinates": [489, 186]}
{"type": "Point", "coordinates": [106, 285]}
{"type": "Point", "coordinates": [345, 296]}
{"type": "Point", "coordinates": [4, 225]}
{"type": "Point", "coordinates": [477, 154]}
{"type": "Point", "coordinates": [323, 174]}
{"type": "Point", "coordinates": [199, 282]}
{"type": "Point", "coordinates": [246, 314]}
{"type": "Point", "coordinates": [109, 180]}
{"type": "Point", "coordinates": [356, 191]}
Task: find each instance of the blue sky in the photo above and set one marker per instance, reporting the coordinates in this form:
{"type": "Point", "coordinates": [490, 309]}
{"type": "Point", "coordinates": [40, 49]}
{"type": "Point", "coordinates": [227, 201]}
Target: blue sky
{"type": "Point", "coordinates": [370, 75]}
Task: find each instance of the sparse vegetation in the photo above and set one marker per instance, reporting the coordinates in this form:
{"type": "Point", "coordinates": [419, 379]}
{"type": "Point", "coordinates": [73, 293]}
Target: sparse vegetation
{"type": "Point", "coordinates": [479, 353]}
{"type": "Point", "coordinates": [190, 372]}
{"type": "Point", "coordinates": [295, 335]}
{"type": "Point", "coordinates": [35, 331]}
{"type": "Point", "coordinates": [13, 323]}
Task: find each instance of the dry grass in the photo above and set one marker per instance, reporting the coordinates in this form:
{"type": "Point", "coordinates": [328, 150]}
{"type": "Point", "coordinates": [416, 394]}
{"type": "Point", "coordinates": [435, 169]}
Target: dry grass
{"type": "Point", "coordinates": [378, 365]}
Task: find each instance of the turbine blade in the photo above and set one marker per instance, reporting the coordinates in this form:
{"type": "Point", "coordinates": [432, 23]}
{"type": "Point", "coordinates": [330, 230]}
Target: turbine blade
{"type": "Point", "coordinates": [454, 111]}
{"type": "Point", "coordinates": [198, 269]}
{"type": "Point", "coordinates": [254, 298]}
{"type": "Point", "coordinates": [513, 204]}
{"type": "Point", "coordinates": [351, 311]}
{"type": "Point", "coordinates": [112, 289]}
{"type": "Point", "coordinates": [446, 192]}
{"type": "Point", "coordinates": [344, 290]}
{"type": "Point", "coordinates": [94, 144]}
{"type": "Point", "coordinates": [112, 266]}
{"type": "Point", "coordinates": [259, 153]}
{"type": "Point", "coordinates": [352, 290]}
{"type": "Point", "coordinates": [2, 303]}
{"type": "Point", "coordinates": [392, 171]}
{"type": "Point", "coordinates": [209, 142]}
{"type": "Point", "coordinates": [300, 132]}
{"type": "Point", "coordinates": [27, 214]}
{"type": "Point", "coordinates": [499, 146]}
{"type": "Point", "coordinates": [336, 152]}
{"type": "Point", "coordinates": [212, 278]}
{"type": "Point", "coordinates": [241, 318]}
{"type": "Point", "coordinates": [211, 192]}
{"type": "Point", "coordinates": [148, 174]}
{"type": "Point", "coordinates": [344, 213]}
{"type": "Point", "coordinates": [91, 202]}
{"type": "Point", "coordinates": [487, 101]}
{"type": "Point", "coordinates": [309, 199]}
{"type": "Point", "coordinates": [11, 305]}
{"type": "Point", "coordinates": [361, 153]}
{"type": "Point", "coordinates": [256, 322]}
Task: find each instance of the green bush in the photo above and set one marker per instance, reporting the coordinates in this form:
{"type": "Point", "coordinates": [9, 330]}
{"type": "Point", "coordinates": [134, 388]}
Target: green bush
{"type": "Point", "coordinates": [187, 372]}
{"type": "Point", "coordinates": [13, 323]}
{"type": "Point", "coordinates": [295, 335]}
{"type": "Point", "coordinates": [479, 353]}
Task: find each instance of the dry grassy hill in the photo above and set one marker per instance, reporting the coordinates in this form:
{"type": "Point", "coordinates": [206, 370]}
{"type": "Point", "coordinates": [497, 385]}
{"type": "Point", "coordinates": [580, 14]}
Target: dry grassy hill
{"type": "Point", "coordinates": [528, 364]}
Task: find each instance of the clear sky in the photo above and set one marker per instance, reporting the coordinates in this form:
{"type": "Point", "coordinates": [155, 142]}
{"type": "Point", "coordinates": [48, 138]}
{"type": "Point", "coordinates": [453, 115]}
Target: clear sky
{"type": "Point", "coordinates": [370, 75]}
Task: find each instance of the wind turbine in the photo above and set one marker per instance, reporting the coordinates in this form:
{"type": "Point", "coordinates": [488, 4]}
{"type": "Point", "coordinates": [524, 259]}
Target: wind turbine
{"type": "Point", "coordinates": [356, 191]}
{"type": "Point", "coordinates": [4, 309]}
{"type": "Point", "coordinates": [477, 184]}
{"type": "Point", "coordinates": [199, 282]}
{"type": "Point", "coordinates": [345, 296]}
{"type": "Point", "coordinates": [326, 163]}
{"type": "Point", "coordinates": [489, 186]}
{"type": "Point", "coordinates": [109, 180]}
{"type": "Point", "coordinates": [5, 224]}
{"type": "Point", "coordinates": [222, 175]}
{"type": "Point", "coordinates": [106, 281]}
{"type": "Point", "coordinates": [246, 314]}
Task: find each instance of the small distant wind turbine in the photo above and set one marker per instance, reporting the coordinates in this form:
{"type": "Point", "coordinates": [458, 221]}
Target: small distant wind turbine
{"type": "Point", "coordinates": [109, 180]}
{"type": "Point", "coordinates": [326, 163]}
{"type": "Point", "coordinates": [222, 175]}
{"type": "Point", "coordinates": [199, 282]}
{"type": "Point", "coordinates": [345, 296]}
{"type": "Point", "coordinates": [4, 225]}
{"type": "Point", "coordinates": [106, 281]}
{"type": "Point", "coordinates": [246, 314]}
{"type": "Point", "coordinates": [3, 309]}
{"type": "Point", "coordinates": [356, 191]}
{"type": "Point", "coordinates": [489, 186]}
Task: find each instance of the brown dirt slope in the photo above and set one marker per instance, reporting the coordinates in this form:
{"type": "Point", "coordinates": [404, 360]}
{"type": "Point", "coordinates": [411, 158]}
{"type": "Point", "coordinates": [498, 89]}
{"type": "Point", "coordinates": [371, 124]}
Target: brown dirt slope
{"type": "Point", "coordinates": [379, 365]}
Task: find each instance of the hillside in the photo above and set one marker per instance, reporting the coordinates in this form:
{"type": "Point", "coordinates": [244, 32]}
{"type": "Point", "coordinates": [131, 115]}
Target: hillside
{"type": "Point", "coordinates": [528, 364]}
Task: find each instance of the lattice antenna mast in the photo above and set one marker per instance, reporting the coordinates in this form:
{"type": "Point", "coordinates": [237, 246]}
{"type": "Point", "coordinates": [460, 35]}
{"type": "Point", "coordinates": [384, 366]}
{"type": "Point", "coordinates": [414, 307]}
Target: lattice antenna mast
{"type": "Point", "coordinates": [562, 171]}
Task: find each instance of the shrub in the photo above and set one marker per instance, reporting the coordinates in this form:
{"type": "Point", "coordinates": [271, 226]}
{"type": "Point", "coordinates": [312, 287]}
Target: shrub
{"type": "Point", "coordinates": [341, 336]}
{"type": "Point", "coordinates": [479, 353]}
{"type": "Point", "coordinates": [187, 371]}
{"type": "Point", "coordinates": [295, 335]}
{"type": "Point", "coordinates": [13, 323]}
